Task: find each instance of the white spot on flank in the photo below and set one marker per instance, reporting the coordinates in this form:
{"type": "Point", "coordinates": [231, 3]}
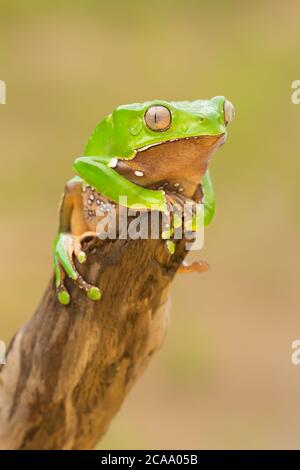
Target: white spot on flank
{"type": "Point", "coordinates": [138, 173]}
{"type": "Point", "coordinates": [92, 197]}
{"type": "Point", "coordinates": [113, 163]}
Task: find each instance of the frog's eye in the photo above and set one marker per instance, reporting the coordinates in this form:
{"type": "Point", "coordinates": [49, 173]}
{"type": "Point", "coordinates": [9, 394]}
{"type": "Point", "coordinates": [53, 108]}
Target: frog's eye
{"type": "Point", "coordinates": [158, 118]}
{"type": "Point", "coordinates": [228, 112]}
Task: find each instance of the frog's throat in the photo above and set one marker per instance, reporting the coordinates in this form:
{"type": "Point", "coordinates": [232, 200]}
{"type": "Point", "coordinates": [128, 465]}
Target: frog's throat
{"type": "Point", "coordinates": [181, 159]}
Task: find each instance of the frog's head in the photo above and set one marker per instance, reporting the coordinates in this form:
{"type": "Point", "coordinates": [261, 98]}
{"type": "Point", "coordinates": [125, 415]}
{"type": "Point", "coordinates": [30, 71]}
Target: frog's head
{"type": "Point", "coordinates": [134, 127]}
{"type": "Point", "coordinates": [189, 130]}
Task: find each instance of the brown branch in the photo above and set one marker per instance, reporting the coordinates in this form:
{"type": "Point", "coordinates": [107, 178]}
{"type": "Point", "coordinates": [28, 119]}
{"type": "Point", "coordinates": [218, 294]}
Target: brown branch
{"type": "Point", "coordinates": [69, 368]}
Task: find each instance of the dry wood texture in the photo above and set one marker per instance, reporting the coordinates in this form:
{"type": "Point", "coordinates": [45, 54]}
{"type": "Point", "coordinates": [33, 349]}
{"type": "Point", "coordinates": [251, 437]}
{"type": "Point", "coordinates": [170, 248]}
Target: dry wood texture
{"type": "Point", "coordinates": [69, 368]}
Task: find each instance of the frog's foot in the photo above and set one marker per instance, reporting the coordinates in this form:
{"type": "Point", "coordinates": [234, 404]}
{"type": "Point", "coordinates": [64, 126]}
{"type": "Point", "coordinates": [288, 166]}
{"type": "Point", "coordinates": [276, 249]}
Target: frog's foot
{"type": "Point", "coordinates": [195, 267]}
{"type": "Point", "coordinates": [176, 210]}
{"type": "Point", "coordinates": [66, 247]}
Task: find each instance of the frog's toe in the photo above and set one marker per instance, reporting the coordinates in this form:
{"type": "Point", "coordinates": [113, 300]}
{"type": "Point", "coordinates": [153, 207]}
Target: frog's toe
{"type": "Point", "coordinates": [81, 256]}
{"type": "Point", "coordinates": [63, 295]}
{"type": "Point", "coordinates": [78, 252]}
{"type": "Point", "coordinates": [94, 293]}
{"type": "Point", "coordinates": [170, 245]}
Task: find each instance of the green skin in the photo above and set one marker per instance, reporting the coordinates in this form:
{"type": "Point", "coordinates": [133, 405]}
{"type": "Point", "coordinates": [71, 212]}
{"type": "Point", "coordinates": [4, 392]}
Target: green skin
{"type": "Point", "coordinates": [119, 136]}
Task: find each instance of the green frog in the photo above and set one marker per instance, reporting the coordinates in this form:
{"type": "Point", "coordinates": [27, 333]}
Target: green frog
{"type": "Point", "coordinates": [152, 155]}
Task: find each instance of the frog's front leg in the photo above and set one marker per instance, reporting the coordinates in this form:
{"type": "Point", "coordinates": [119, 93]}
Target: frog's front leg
{"type": "Point", "coordinates": [67, 244]}
{"type": "Point", "coordinates": [99, 172]}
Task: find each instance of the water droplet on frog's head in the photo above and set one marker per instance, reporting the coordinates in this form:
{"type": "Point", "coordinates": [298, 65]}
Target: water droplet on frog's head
{"type": "Point", "coordinates": [135, 126]}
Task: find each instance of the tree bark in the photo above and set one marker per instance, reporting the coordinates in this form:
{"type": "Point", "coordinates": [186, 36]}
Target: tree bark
{"type": "Point", "coordinates": [70, 367]}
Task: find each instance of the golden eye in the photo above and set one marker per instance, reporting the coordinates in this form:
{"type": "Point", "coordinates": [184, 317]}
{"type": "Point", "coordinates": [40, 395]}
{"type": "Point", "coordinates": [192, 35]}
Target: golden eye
{"type": "Point", "coordinates": [228, 112]}
{"type": "Point", "coordinates": [158, 118]}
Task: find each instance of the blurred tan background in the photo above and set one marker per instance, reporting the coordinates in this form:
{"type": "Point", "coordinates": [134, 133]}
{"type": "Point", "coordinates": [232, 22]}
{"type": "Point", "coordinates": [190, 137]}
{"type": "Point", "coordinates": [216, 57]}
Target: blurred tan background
{"type": "Point", "coordinates": [224, 378]}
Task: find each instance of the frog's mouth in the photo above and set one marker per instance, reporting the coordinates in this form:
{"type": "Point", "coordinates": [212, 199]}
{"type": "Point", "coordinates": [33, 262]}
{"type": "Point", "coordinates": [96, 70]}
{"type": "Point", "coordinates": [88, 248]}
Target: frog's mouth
{"type": "Point", "coordinates": [178, 163]}
{"type": "Point", "coordinates": [204, 138]}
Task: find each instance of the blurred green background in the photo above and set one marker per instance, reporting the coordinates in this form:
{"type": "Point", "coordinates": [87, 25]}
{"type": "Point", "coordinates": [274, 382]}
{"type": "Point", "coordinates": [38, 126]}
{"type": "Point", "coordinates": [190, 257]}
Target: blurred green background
{"type": "Point", "coordinates": [224, 378]}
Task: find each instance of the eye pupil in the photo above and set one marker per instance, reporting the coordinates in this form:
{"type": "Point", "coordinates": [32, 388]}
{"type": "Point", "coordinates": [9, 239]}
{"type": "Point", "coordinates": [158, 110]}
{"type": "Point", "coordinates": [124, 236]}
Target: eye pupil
{"type": "Point", "coordinates": [158, 118]}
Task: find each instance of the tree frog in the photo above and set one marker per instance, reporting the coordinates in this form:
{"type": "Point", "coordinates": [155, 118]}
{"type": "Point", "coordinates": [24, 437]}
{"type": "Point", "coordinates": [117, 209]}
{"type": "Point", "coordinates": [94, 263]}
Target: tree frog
{"type": "Point", "coordinates": [155, 153]}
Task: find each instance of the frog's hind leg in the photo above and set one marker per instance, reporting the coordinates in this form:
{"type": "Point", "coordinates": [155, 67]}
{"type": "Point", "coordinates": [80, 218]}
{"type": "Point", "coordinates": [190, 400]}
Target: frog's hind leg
{"type": "Point", "coordinates": [67, 244]}
{"type": "Point", "coordinates": [67, 247]}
